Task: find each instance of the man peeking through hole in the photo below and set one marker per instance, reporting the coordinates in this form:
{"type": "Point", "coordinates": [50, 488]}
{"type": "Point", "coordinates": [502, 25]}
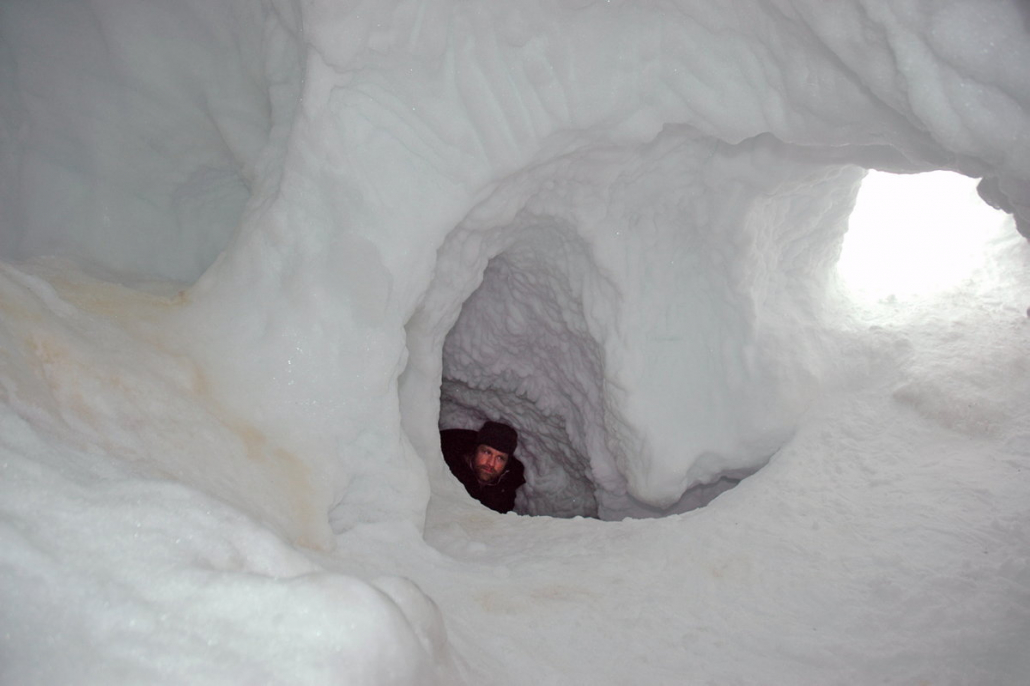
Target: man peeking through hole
{"type": "Point", "coordinates": [485, 463]}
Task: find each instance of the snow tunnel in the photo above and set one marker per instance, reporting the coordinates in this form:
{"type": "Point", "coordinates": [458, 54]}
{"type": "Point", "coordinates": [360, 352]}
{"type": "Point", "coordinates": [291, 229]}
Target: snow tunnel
{"type": "Point", "coordinates": [316, 231]}
{"type": "Point", "coordinates": [542, 314]}
{"type": "Point", "coordinates": [521, 352]}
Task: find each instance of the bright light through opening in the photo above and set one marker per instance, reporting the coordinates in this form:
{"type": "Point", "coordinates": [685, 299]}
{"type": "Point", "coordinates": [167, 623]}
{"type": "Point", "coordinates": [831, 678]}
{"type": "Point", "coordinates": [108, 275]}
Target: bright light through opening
{"type": "Point", "coordinates": [914, 235]}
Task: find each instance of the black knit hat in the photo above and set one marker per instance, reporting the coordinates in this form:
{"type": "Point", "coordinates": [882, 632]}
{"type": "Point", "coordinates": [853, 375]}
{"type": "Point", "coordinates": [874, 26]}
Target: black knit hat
{"type": "Point", "coordinates": [498, 436]}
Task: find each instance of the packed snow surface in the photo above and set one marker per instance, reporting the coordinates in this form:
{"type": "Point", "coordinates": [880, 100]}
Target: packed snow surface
{"type": "Point", "coordinates": [255, 255]}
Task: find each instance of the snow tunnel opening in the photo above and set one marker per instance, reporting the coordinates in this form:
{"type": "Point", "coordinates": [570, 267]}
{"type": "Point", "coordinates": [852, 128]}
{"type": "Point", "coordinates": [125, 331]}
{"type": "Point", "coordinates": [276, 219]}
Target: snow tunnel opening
{"type": "Point", "coordinates": [521, 352]}
{"type": "Point", "coordinates": [524, 351]}
{"type": "Point", "coordinates": [883, 263]}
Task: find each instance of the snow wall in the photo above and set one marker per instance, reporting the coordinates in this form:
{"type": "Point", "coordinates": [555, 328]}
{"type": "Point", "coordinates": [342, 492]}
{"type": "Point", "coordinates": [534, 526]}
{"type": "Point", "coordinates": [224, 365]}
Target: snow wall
{"type": "Point", "coordinates": [284, 241]}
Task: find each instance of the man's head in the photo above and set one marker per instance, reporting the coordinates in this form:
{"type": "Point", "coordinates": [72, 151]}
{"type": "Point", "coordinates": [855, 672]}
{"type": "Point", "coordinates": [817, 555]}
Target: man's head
{"type": "Point", "coordinates": [495, 443]}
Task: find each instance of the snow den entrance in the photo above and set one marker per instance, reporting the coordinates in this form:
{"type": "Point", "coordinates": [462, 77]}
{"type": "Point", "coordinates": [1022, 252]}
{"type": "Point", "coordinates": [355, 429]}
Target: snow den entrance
{"type": "Point", "coordinates": [913, 236]}
{"type": "Point", "coordinates": [634, 315]}
{"type": "Point", "coordinates": [521, 352]}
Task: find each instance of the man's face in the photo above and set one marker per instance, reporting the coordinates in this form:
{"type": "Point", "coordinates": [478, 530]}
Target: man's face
{"type": "Point", "coordinates": [488, 463]}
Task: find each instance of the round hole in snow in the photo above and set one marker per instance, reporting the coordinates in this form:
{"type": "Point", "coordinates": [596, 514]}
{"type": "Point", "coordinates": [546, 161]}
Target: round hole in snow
{"type": "Point", "coordinates": [911, 236]}
{"type": "Point", "coordinates": [522, 352]}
